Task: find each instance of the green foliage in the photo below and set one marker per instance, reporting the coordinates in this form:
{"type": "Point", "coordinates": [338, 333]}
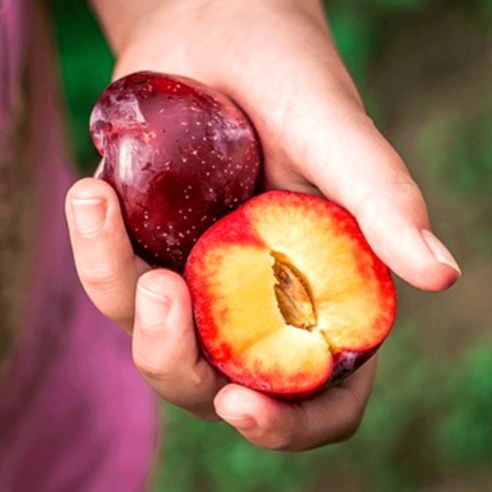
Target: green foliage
{"type": "Point", "coordinates": [456, 148]}
{"type": "Point", "coordinates": [460, 147]}
{"type": "Point", "coordinates": [464, 436]}
{"type": "Point", "coordinates": [212, 457]}
{"type": "Point", "coordinates": [405, 6]}
{"type": "Point", "coordinates": [486, 6]}
{"type": "Point", "coordinates": [355, 38]}
{"type": "Point", "coordinates": [86, 69]}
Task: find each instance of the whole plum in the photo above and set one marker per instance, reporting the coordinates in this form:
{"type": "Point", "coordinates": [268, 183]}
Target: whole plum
{"type": "Point", "coordinates": [179, 154]}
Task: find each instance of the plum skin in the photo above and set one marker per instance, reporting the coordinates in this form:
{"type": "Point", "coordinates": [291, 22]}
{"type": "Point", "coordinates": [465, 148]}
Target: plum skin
{"type": "Point", "coordinates": [179, 155]}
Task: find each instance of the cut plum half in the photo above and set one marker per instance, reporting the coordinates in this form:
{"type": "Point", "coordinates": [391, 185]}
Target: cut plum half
{"type": "Point", "coordinates": [287, 294]}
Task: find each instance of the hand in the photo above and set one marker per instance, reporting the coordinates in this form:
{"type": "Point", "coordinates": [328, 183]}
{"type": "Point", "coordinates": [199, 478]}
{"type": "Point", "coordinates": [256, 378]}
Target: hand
{"type": "Point", "coordinates": [277, 60]}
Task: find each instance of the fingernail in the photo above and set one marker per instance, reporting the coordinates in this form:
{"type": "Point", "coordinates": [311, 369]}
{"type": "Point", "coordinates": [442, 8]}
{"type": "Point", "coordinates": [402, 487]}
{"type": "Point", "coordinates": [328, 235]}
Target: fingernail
{"type": "Point", "coordinates": [241, 423]}
{"type": "Point", "coordinates": [152, 308]}
{"type": "Point", "coordinates": [440, 252]}
{"type": "Point", "coordinates": [89, 214]}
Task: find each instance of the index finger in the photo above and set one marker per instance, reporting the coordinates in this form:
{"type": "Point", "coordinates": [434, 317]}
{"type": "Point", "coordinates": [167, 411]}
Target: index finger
{"type": "Point", "coordinates": [104, 257]}
{"type": "Point", "coordinates": [366, 175]}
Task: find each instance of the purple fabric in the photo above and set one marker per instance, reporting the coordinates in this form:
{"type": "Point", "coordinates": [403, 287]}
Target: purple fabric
{"type": "Point", "coordinates": [74, 413]}
{"type": "Point", "coordinates": [12, 15]}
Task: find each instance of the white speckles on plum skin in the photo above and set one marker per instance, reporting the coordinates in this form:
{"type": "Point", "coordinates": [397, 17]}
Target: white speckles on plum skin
{"type": "Point", "coordinates": [198, 151]}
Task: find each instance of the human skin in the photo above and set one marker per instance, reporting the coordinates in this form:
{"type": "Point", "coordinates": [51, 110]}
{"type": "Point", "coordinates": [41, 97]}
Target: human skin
{"type": "Point", "coordinates": [277, 60]}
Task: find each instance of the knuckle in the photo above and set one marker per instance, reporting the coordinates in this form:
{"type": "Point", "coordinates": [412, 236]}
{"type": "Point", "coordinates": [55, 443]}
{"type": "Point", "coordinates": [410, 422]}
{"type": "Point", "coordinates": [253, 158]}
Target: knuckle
{"type": "Point", "coordinates": [281, 440]}
{"type": "Point", "coordinates": [402, 178]}
{"type": "Point", "coordinates": [407, 185]}
{"type": "Point", "coordinates": [100, 276]}
{"type": "Point", "coordinates": [109, 295]}
{"type": "Point", "coordinates": [278, 444]}
{"type": "Point", "coordinates": [151, 369]}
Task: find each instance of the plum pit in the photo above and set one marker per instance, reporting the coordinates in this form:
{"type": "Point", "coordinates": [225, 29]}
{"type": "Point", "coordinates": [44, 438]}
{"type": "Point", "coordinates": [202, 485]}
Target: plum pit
{"type": "Point", "coordinates": [293, 294]}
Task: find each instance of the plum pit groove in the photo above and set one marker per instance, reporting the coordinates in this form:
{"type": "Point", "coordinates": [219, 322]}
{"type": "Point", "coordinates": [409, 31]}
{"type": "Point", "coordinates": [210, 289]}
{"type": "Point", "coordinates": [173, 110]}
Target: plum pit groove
{"type": "Point", "coordinates": [293, 294]}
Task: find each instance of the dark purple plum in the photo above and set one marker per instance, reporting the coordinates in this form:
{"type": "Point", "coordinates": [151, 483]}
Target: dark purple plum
{"type": "Point", "coordinates": [180, 155]}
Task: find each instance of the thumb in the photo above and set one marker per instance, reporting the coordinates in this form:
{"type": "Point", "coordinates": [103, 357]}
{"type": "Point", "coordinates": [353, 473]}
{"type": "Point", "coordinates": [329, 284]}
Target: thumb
{"type": "Point", "coordinates": [367, 176]}
{"type": "Point", "coordinates": [313, 128]}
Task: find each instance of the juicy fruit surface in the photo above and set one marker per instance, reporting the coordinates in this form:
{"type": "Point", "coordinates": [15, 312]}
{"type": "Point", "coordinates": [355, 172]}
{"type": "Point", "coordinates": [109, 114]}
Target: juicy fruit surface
{"type": "Point", "coordinates": [336, 297]}
{"type": "Point", "coordinates": [179, 156]}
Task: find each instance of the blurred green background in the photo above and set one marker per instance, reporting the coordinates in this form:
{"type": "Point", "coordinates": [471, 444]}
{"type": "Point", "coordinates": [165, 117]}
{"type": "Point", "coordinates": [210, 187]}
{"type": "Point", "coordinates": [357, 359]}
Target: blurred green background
{"type": "Point", "coordinates": [424, 68]}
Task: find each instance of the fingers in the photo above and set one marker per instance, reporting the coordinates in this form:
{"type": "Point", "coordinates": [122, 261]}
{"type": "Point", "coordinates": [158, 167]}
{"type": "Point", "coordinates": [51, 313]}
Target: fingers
{"type": "Point", "coordinates": [104, 258]}
{"type": "Point", "coordinates": [165, 348]}
{"type": "Point", "coordinates": [156, 304]}
{"type": "Point", "coordinates": [329, 417]}
{"type": "Point", "coordinates": [352, 164]}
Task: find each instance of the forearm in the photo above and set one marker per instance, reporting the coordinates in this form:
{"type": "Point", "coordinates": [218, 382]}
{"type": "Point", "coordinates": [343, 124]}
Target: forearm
{"type": "Point", "coordinates": [124, 22]}
{"type": "Point", "coordinates": [120, 18]}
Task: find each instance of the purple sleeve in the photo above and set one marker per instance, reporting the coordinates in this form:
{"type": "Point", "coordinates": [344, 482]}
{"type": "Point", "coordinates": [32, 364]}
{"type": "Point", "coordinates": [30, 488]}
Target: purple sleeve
{"type": "Point", "coordinates": [74, 413]}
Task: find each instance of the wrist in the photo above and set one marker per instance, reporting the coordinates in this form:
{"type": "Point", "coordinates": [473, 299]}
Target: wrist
{"type": "Point", "coordinates": [180, 36]}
